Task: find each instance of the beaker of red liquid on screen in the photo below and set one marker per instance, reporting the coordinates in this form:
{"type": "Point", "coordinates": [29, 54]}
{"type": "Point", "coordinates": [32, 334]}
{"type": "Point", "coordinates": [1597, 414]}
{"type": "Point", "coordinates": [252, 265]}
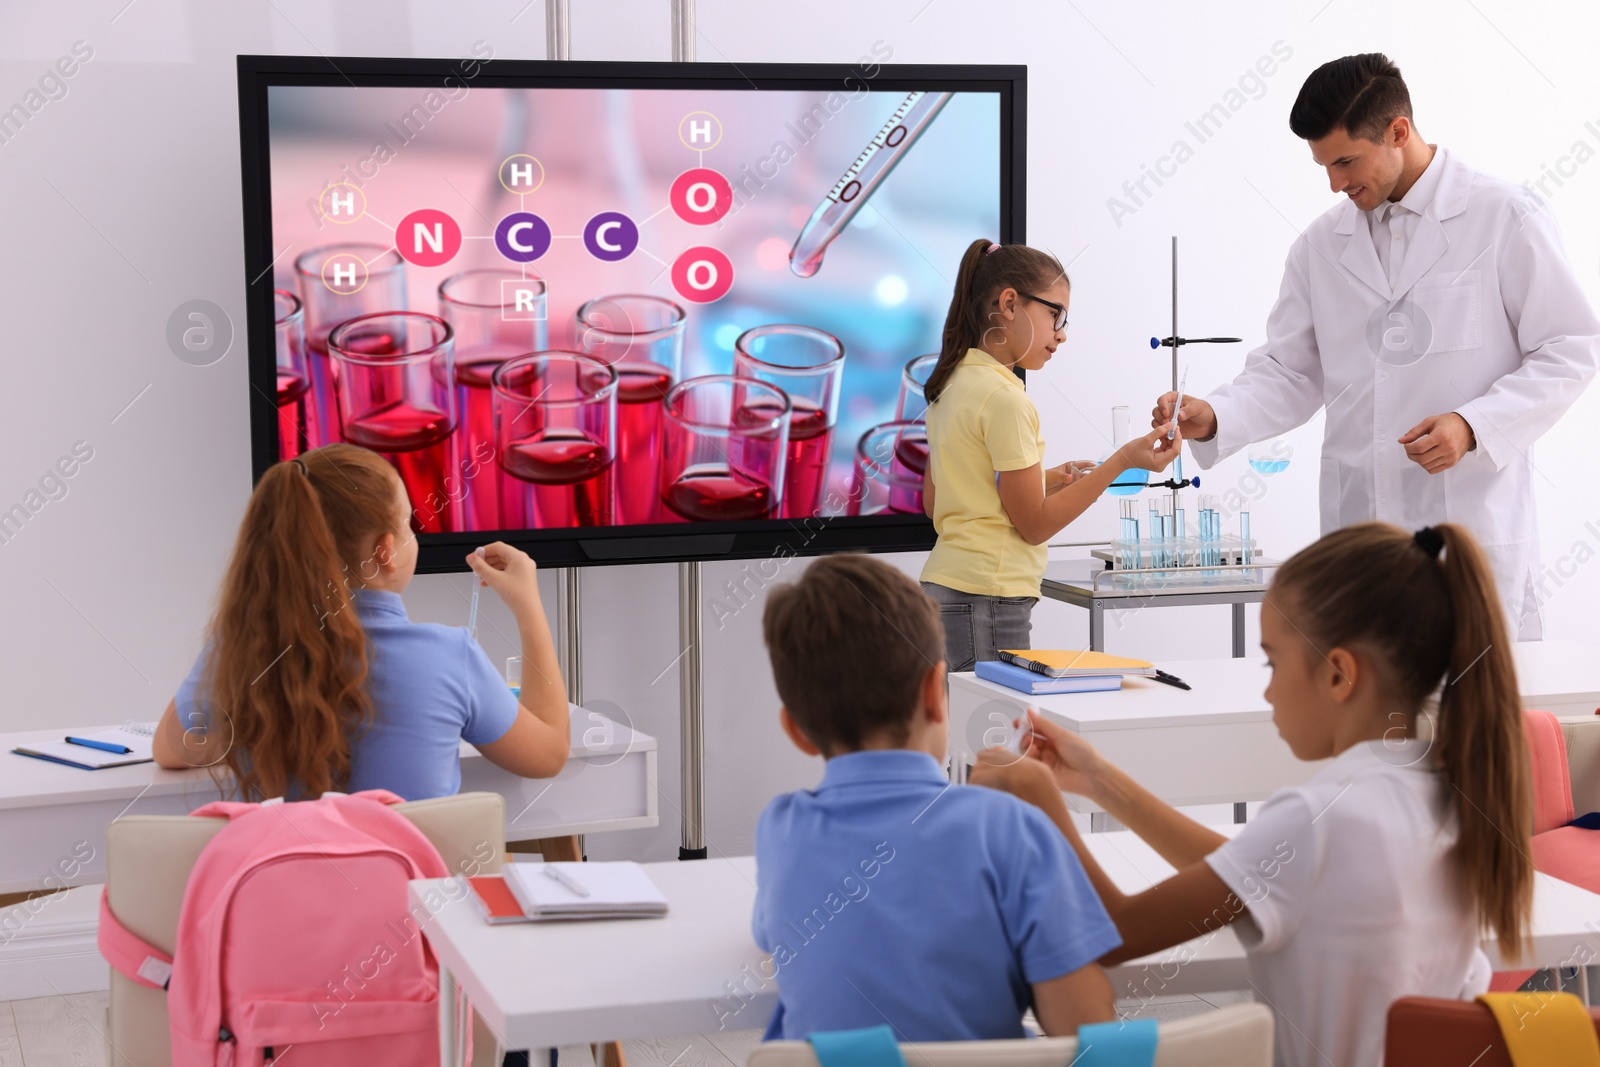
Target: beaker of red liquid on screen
{"type": "Point", "coordinates": [555, 418]}
{"type": "Point", "coordinates": [642, 337]}
{"type": "Point", "coordinates": [395, 379]}
{"type": "Point", "coordinates": [913, 404]}
{"type": "Point", "coordinates": [808, 365]}
{"type": "Point", "coordinates": [496, 314]}
{"type": "Point", "coordinates": [889, 464]}
{"type": "Point", "coordinates": [724, 449]}
{"type": "Point", "coordinates": [339, 282]}
{"type": "Point", "coordinates": [297, 415]}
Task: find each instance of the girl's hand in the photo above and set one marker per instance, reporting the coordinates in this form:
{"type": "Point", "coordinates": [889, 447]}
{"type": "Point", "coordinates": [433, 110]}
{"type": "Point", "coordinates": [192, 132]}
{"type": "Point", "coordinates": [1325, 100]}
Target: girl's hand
{"type": "Point", "coordinates": [511, 573]}
{"type": "Point", "coordinates": [1067, 473]}
{"type": "Point", "coordinates": [1025, 779]}
{"type": "Point", "coordinates": [1152, 452]}
{"type": "Point", "coordinates": [1072, 762]}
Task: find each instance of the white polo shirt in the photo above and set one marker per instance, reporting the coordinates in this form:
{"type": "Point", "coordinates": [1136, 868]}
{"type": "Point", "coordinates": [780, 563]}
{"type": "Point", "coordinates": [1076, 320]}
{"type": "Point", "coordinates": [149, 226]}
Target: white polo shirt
{"type": "Point", "coordinates": [1353, 902]}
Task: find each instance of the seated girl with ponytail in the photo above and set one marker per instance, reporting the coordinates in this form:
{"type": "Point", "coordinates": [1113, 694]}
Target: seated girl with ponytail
{"type": "Point", "coordinates": [314, 680]}
{"type": "Point", "coordinates": [1375, 879]}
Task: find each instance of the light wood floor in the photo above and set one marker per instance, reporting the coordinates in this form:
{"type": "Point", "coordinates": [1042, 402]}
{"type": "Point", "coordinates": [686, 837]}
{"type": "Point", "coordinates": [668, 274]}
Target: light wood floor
{"type": "Point", "coordinates": [66, 1031]}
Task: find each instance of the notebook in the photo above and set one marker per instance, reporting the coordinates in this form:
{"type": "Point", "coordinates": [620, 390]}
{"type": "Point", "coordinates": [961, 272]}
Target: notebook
{"type": "Point", "coordinates": [1025, 681]}
{"type": "Point", "coordinates": [616, 890]}
{"type": "Point", "coordinates": [495, 902]}
{"type": "Point", "coordinates": [135, 737]}
{"type": "Point", "coordinates": [1066, 663]}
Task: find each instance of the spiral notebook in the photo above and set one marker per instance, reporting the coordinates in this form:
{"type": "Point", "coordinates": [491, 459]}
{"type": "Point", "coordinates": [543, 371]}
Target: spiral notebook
{"type": "Point", "coordinates": [94, 750]}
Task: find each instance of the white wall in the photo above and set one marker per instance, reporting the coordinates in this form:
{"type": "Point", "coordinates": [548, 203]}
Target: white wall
{"type": "Point", "coordinates": [121, 200]}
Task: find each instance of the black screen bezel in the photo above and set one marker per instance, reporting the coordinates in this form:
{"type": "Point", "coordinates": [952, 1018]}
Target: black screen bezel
{"type": "Point", "coordinates": [624, 544]}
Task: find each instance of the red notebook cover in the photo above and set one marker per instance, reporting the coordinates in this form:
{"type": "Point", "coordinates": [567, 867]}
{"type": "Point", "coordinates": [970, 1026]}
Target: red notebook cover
{"type": "Point", "coordinates": [495, 902]}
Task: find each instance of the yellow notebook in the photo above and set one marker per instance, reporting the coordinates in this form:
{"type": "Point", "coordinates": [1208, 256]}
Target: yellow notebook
{"type": "Point", "coordinates": [1072, 663]}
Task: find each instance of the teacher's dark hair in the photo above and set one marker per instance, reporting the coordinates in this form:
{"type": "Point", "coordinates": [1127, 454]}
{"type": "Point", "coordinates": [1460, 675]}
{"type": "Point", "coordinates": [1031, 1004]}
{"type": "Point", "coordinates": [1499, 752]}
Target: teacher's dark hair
{"type": "Point", "coordinates": [1424, 610]}
{"type": "Point", "coordinates": [1360, 95]}
{"type": "Point", "coordinates": [986, 271]}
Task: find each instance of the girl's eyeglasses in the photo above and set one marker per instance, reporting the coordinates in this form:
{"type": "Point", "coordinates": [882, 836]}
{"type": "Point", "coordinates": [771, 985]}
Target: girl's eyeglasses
{"type": "Point", "coordinates": [1060, 322]}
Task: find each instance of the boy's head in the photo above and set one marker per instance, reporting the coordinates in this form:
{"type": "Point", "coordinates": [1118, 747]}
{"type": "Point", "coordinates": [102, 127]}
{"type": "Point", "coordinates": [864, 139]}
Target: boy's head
{"type": "Point", "coordinates": [857, 652]}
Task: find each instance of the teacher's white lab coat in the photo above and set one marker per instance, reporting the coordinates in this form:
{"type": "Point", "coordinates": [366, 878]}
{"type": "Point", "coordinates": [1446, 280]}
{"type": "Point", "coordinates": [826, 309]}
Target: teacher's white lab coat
{"type": "Point", "coordinates": [1513, 344]}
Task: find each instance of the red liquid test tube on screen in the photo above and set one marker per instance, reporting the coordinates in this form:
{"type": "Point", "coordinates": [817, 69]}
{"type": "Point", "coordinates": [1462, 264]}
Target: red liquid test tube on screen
{"type": "Point", "coordinates": [808, 365]}
{"type": "Point", "coordinates": [642, 337]}
{"type": "Point", "coordinates": [395, 378]}
{"type": "Point", "coordinates": [725, 449]}
{"type": "Point", "coordinates": [913, 404]}
{"type": "Point", "coordinates": [337, 283]}
{"type": "Point", "coordinates": [555, 416]}
{"type": "Point", "coordinates": [496, 315]}
{"type": "Point", "coordinates": [890, 461]}
{"type": "Point", "coordinates": [297, 414]}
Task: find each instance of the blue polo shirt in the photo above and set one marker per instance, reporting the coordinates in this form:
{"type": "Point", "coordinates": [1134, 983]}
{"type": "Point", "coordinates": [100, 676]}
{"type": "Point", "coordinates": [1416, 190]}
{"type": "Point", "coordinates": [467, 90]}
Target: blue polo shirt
{"type": "Point", "coordinates": [886, 895]}
{"type": "Point", "coordinates": [431, 687]}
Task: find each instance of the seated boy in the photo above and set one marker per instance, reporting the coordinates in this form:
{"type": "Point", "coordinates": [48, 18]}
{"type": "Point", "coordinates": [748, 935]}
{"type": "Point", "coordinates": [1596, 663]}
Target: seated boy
{"type": "Point", "coordinates": [886, 895]}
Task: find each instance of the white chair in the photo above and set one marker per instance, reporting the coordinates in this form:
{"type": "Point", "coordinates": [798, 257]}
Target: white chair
{"type": "Point", "coordinates": [148, 860]}
{"type": "Point", "coordinates": [1236, 1036]}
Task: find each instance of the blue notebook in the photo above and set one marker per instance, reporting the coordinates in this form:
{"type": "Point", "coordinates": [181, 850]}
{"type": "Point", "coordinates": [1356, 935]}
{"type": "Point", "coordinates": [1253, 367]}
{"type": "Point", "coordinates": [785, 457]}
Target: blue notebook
{"type": "Point", "coordinates": [1025, 681]}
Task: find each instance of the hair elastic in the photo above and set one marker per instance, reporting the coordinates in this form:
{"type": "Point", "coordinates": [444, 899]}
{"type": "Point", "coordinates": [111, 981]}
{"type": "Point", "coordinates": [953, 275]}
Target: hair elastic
{"type": "Point", "coordinates": [1430, 541]}
{"type": "Point", "coordinates": [303, 468]}
{"type": "Point", "coordinates": [990, 249]}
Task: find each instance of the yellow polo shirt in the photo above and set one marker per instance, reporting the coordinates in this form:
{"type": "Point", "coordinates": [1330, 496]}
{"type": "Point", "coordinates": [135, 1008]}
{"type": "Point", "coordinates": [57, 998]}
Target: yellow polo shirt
{"type": "Point", "coordinates": [983, 422]}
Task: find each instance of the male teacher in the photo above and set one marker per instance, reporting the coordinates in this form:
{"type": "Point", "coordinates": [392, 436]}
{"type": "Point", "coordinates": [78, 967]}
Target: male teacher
{"type": "Point", "coordinates": [1436, 319]}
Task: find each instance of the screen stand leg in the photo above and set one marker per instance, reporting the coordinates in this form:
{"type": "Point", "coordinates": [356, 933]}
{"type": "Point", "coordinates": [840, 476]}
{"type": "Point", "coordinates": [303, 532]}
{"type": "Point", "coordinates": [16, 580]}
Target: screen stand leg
{"type": "Point", "coordinates": [691, 713]}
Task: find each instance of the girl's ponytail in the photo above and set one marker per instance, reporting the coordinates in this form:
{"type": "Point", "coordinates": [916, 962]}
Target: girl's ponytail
{"type": "Point", "coordinates": [985, 270]}
{"type": "Point", "coordinates": [1480, 743]}
{"type": "Point", "coordinates": [1424, 607]}
{"type": "Point", "coordinates": [286, 677]}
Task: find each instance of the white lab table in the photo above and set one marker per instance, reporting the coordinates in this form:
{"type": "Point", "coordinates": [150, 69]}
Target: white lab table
{"type": "Point", "coordinates": [542, 985]}
{"type": "Point", "coordinates": [53, 817]}
{"type": "Point", "coordinates": [1216, 743]}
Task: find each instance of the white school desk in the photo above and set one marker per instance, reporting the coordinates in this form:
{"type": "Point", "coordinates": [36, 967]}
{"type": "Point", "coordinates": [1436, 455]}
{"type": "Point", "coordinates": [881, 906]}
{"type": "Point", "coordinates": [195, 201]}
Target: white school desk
{"type": "Point", "coordinates": [1216, 743]}
{"type": "Point", "coordinates": [53, 818]}
{"type": "Point", "coordinates": [543, 985]}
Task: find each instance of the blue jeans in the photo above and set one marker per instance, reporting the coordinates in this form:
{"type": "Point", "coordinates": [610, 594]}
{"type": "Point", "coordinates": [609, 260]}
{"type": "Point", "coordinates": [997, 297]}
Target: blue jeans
{"type": "Point", "coordinates": [977, 627]}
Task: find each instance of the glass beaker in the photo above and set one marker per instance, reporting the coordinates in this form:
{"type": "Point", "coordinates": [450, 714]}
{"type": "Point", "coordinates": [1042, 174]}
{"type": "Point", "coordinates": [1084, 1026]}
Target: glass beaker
{"type": "Point", "coordinates": [496, 315]}
{"type": "Point", "coordinates": [555, 418]}
{"type": "Point", "coordinates": [395, 379]}
{"type": "Point", "coordinates": [642, 337]}
{"type": "Point", "coordinates": [725, 448]}
{"type": "Point", "coordinates": [297, 411]}
{"type": "Point", "coordinates": [808, 365]}
{"type": "Point", "coordinates": [889, 464]}
{"type": "Point", "coordinates": [340, 282]}
{"type": "Point", "coordinates": [913, 404]}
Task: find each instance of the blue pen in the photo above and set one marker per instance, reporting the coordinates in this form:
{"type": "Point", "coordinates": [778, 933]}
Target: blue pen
{"type": "Point", "coordinates": [103, 746]}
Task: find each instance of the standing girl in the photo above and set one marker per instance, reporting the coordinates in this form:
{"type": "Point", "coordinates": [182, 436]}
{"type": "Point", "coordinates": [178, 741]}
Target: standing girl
{"type": "Point", "coordinates": [1373, 880]}
{"type": "Point", "coordinates": [992, 501]}
{"type": "Point", "coordinates": [313, 679]}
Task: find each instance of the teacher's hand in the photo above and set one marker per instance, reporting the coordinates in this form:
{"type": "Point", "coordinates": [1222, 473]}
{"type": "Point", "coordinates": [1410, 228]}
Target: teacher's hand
{"type": "Point", "coordinates": [1196, 420]}
{"type": "Point", "coordinates": [1438, 442]}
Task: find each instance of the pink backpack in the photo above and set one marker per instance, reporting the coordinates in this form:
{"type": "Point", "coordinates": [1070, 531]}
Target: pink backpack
{"type": "Point", "coordinates": [295, 931]}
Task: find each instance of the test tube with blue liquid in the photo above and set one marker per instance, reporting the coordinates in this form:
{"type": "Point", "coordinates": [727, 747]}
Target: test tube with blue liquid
{"type": "Point", "coordinates": [1129, 545]}
{"type": "Point", "coordinates": [1133, 479]}
{"type": "Point", "coordinates": [1244, 537]}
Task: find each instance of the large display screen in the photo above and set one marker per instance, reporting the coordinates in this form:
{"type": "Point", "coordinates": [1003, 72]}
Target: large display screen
{"type": "Point", "coordinates": [616, 312]}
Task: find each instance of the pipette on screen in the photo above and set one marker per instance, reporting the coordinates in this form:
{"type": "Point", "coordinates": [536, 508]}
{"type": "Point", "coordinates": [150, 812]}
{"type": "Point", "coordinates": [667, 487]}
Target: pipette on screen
{"type": "Point", "coordinates": [1172, 431]}
{"type": "Point", "coordinates": [862, 178]}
